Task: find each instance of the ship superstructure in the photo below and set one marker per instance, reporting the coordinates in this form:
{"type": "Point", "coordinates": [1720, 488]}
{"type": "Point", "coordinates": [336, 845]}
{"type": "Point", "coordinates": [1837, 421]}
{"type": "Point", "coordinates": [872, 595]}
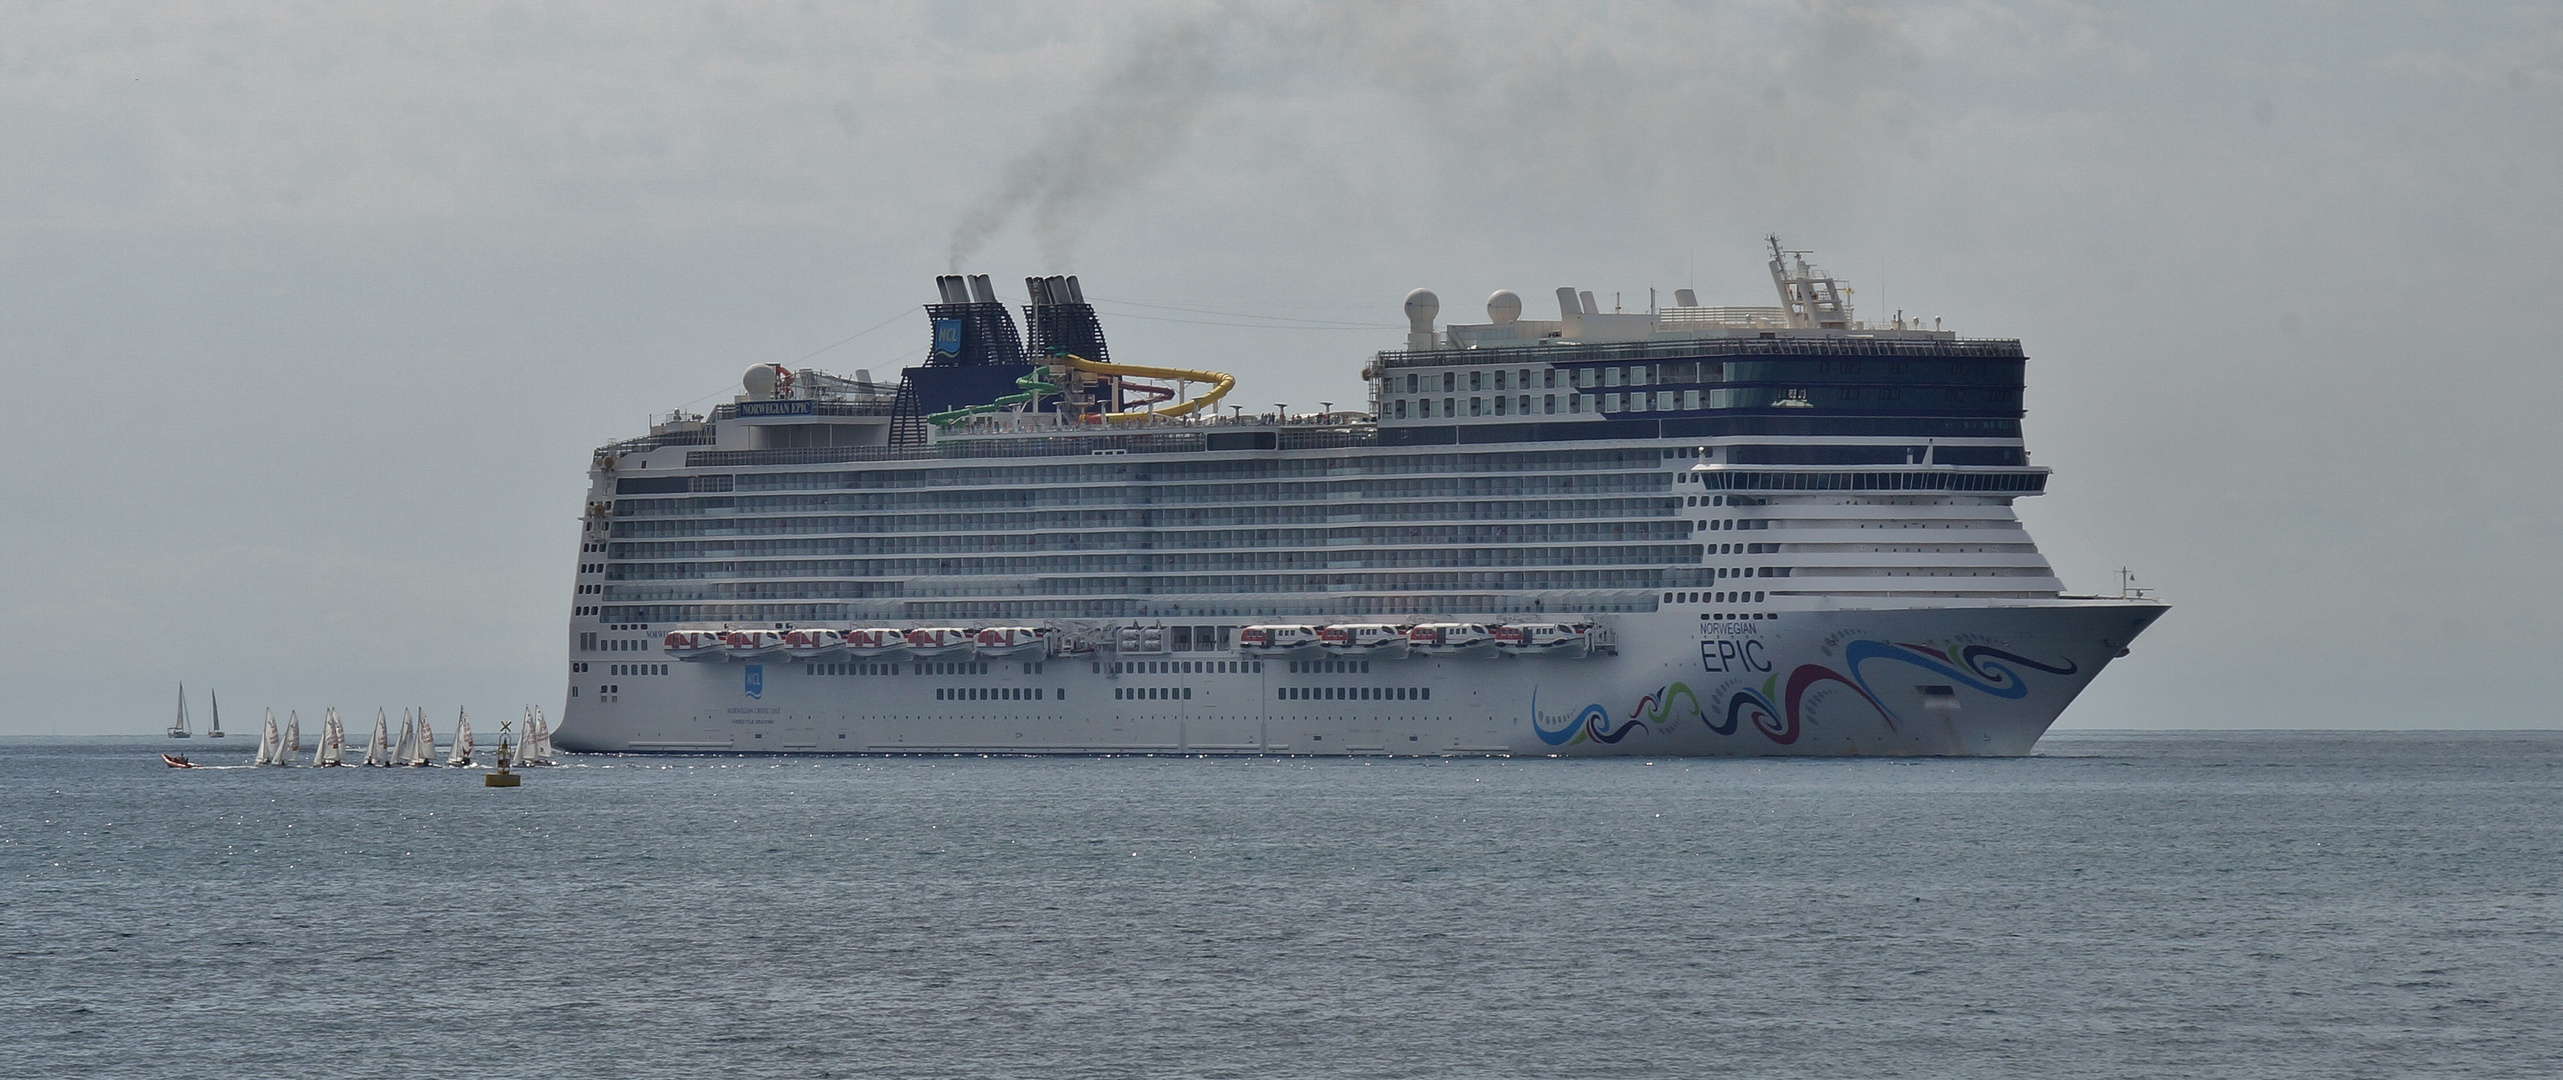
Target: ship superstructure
{"type": "Point", "coordinates": [1684, 530]}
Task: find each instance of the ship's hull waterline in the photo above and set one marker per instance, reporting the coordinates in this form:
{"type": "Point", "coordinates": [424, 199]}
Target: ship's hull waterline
{"type": "Point", "coordinates": [1976, 681]}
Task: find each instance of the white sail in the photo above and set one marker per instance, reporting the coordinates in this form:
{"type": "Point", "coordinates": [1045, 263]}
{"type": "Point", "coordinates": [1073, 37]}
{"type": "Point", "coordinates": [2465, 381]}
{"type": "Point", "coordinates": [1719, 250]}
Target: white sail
{"type": "Point", "coordinates": [538, 740]}
{"type": "Point", "coordinates": [324, 752]}
{"type": "Point", "coordinates": [377, 752]}
{"type": "Point", "coordinates": [405, 748]}
{"type": "Point", "coordinates": [216, 731]}
{"type": "Point", "coordinates": [426, 741]}
{"type": "Point", "coordinates": [271, 746]}
{"type": "Point", "coordinates": [462, 754]}
{"type": "Point", "coordinates": [293, 732]}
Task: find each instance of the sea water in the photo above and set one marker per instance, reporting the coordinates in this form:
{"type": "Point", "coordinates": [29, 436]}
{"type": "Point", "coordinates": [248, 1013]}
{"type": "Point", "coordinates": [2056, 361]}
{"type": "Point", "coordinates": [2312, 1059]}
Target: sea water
{"type": "Point", "coordinates": [2270, 905]}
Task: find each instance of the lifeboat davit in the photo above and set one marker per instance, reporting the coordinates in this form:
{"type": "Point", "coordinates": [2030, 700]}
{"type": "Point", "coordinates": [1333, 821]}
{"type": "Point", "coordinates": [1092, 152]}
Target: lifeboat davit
{"type": "Point", "coordinates": [876, 641]}
{"type": "Point", "coordinates": [1363, 639]}
{"type": "Point", "coordinates": [1545, 639]}
{"type": "Point", "coordinates": [1451, 639]}
{"type": "Point", "coordinates": [938, 640]}
{"type": "Point", "coordinates": [1277, 640]}
{"type": "Point", "coordinates": [812, 644]}
{"type": "Point", "coordinates": [747, 644]}
{"type": "Point", "coordinates": [1012, 641]}
{"type": "Point", "coordinates": [695, 645]}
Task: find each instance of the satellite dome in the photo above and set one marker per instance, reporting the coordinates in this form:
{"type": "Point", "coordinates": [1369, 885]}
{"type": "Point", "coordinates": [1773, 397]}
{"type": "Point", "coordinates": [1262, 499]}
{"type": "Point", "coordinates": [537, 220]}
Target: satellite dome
{"type": "Point", "coordinates": [1503, 307]}
{"type": "Point", "coordinates": [759, 382]}
{"type": "Point", "coordinates": [1421, 306]}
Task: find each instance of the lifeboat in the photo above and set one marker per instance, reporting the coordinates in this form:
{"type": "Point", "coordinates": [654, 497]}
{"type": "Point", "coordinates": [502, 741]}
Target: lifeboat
{"type": "Point", "coordinates": [1277, 640]}
{"type": "Point", "coordinates": [1363, 639]}
{"type": "Point", "coordinates": [748, 644]}
{"type": "Point", "coordinates": [1451, 639]}
{"type": "Point", "coordinates": [1012, 641]}
{"type": "Point", "coordinates": [1544, 639]}
{"type": "Point", "coordinates": [876, 641]}
{"type": "Point", "coordinates": [812, 644]}
{"type": "Point", "coordinates": [695, 645]}
{"type": "Point", "coordinates": [938, 640]}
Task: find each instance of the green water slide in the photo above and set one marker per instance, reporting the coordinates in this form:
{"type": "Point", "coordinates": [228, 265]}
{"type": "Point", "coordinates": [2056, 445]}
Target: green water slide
{"type": "Point", "coordinates": [1035, 384]}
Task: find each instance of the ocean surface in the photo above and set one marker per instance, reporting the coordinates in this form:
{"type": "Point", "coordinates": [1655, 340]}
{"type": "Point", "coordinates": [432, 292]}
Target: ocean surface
{"type": "Point", "coordinates": [2140, 905]}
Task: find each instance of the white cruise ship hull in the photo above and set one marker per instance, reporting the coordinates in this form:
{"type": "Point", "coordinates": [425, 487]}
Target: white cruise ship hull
{"type": "Point", "coordinates": [1918, 681]}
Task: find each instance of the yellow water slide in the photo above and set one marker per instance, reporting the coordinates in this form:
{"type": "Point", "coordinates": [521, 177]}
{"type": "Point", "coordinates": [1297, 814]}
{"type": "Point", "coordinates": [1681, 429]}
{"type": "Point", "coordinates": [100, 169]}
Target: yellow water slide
{"type": "Point", "coordinates": [1221, 382]}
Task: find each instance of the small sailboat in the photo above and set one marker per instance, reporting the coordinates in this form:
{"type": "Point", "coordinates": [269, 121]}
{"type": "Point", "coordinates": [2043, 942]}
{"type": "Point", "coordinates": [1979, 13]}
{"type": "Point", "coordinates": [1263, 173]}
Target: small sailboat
{"type": "Point", "coordinates": [216, 732]}
{"type": "Point", "coordinates": [331, 750]}
{"type": "Point", "coordinates": [426, 741]}
{"type": "Point", "coordinates": [534, 747]}
{"type": "Point", "coordinates": [178, 728]}
{"type": "Point", "coordinates": [406, 748]}
{"type": "Point", "coordinates": [377, 752]}
{"type": "Point", "coordinates": [293, 732]}
{"type": "Point", "coordinates": [271, 745]}
{"type": "Point", "coordinates": [462, 756]}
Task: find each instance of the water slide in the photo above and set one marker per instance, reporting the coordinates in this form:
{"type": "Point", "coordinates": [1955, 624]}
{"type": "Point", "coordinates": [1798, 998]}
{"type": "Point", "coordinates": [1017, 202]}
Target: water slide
{"type": "Point", "coordinates": [1037, 383]}
{"type": "Point", "coordinates": [1221, 383]}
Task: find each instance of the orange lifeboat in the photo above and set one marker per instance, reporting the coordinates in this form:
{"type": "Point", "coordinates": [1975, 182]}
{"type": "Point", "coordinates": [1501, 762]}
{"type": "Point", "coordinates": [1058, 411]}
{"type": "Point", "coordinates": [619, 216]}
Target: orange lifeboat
{"type": "Point", "coordinates": [1379, 640]}
{"type": "Point", "coordinates": [1451, 639]}
{"type": "Point", "coordinates": [1012, 641]}
{"type": "Point", "coordinates": [812, 644]}
{"type": "Point", "coordinates": [938, 640]}
{"type": "Point", "coordinates": [1277, 640]}
{"type": "Point", "coordinates": [694, 645]}
{"type": "Point", "coordinates": [876, 641]}
{"type": "Point", "coordinates": [749, 644]}
{"type": "Point", "coordinates": [1545, 639]}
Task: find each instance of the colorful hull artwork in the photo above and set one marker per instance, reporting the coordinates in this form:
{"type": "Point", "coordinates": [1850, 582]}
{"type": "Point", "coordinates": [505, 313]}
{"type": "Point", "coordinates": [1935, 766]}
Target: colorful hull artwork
{"type": "Point", "coordinates": [1776, 709]}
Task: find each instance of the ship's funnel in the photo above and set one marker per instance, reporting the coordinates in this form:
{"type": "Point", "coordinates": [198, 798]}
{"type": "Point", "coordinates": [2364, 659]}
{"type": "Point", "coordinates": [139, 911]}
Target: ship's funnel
{"type": "Point", "coordinates": [1060, 321]}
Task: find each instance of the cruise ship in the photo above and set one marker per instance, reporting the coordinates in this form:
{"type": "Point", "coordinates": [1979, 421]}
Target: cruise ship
{"type": "Point", "coordinates": [1682, 530]}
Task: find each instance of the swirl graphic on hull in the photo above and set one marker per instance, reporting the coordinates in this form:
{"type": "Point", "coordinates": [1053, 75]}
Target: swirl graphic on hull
{"type": "Point", "coordinates": [1777, 711]}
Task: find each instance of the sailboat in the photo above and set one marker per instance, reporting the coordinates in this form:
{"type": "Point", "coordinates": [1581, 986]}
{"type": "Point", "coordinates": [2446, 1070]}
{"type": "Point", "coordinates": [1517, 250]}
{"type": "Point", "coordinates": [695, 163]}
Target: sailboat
{"type": "Point", "coordinates": [293, 732]}
{"type": "Point", "coordinates": [178, 728]}
{"type": "Point", "coordinates": [332, 748]}
{"type": "Point", "coordinates": [462, 755]}
{"type": "Point", "coordinates": [406, 749]}
{"type": "Point", "coordinates": [426, 741]}
{"type": "Point", "coordinates": [376, 753]}
{"type": "Point", "coordinates": [216, 733]}
{"type": "Point", "coordinates": [271, 746]}
{"type": "Point", "coordinates": [542, 738]}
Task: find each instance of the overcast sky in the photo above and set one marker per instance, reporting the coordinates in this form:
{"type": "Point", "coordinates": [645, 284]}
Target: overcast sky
{"type": "Point", "coordinates": [310, 315]}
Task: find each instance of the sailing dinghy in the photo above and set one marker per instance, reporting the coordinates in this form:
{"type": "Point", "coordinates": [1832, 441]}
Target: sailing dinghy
{"type": "Point", "coordinates": [271, 746]}
{"type": "Point", "coordinates": [462, 756]}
